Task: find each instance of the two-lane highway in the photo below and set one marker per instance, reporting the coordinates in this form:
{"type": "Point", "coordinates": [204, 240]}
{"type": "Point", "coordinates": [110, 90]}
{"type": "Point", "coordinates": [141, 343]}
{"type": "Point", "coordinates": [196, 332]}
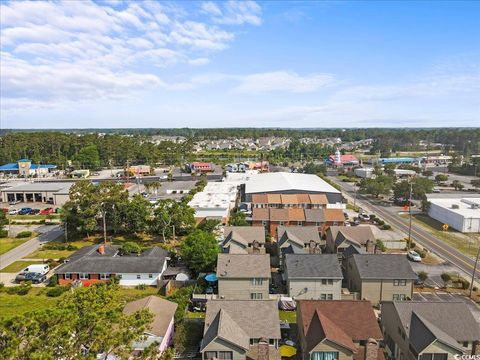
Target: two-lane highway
{"type": "Point", "coordinates": [419, 235]}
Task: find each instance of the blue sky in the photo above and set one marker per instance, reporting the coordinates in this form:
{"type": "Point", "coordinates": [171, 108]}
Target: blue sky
{"type": "Point", "coordinates": [104, 64]}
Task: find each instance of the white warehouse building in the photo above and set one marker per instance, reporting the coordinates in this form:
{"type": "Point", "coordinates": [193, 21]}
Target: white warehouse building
{"type": "Point", "coordinates": [460, 213]}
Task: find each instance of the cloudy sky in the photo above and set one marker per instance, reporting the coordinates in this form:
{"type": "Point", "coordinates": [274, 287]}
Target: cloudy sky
{"type": "Point", "coordinates": [101, 64]}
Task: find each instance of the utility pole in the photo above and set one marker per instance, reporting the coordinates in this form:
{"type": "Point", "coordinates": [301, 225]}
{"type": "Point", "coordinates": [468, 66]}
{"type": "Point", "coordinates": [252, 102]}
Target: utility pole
{"type": "Point", "coordinates": [473, 273]}
{"type": "Point", "coordinates": [104, 225]}
{"type": "Point", "coordinates": [66, 230]}
{"type": "Point", "coordinates": [354, 195]}
{"type": "Point", "coordinates": [410, 216]}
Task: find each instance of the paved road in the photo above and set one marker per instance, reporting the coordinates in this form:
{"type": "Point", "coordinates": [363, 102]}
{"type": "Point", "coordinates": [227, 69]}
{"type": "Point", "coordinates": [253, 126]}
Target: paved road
{"type": "Point", "coordinates": [29, 246]}
{"type": "Point", "coordinates": [419, 235]}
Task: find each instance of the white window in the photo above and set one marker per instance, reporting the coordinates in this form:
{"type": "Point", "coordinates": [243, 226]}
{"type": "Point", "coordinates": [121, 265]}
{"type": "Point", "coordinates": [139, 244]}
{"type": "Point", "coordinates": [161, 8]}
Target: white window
{"type": "Point", "coordinates": [399, 282]}
{"type": "Point", "coordinates": [329, 296]}
{"type": "Point", "coordinates": [256, 296]}
{"type": "Point", "coordinates": [264, 222]}
{"type": "Point", "coordinates": [299, 223]}
{"type": "Point", "coordinates": [68, 276]}
{"type": "Point", "coordinates": [83, 276]}
{"type": "Point", "coordinates": [139, 276]}
{"type": "Point", "coordinates": [150, 276]}
{"type": "Point", "coordinates": [104, 276]}
{"type": "Point", "coordinates": [323, 296]}
{"type": "Point", "coordinates": [257, 281]}
{"type": "Point", "coordinates": [401, 297]}
{"type": "Point", "coordinates": [119, 276]}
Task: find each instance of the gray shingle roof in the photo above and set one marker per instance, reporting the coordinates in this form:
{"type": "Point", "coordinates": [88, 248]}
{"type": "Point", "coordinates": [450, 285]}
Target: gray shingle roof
{"type": "Point", "coordinates": [383, 266]}
{"type": "Point", "coordinates": [244, 234]}
{"type": "Point", "coordinates": [243, 318]}
{"type": "Point", "coordinates": [89, 260]}
{"type": "Point", "coordinates": [298, 234]}
{"type": "Point", "coordinates": [358, 234]}
{"type": "Point", "coordinates": [243, 266]}
{"type": "Point", "coordinates": [299, 266]}
{"type": "Point", "coordinates": [453, 318]}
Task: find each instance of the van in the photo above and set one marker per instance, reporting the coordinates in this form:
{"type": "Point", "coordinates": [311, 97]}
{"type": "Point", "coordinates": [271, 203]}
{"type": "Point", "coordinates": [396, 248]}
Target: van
{"type": "Point", "coordinates": [37, 268]}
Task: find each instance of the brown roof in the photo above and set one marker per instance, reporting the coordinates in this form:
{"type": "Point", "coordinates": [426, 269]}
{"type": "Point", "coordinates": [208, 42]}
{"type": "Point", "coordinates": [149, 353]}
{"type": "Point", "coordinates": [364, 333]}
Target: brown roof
{"type": "Point", "coordinates": [296, 215]}
{"type": "Point", "coordinates": [354, 317]}
{"type": "Point", "coordinates": [333, 215]}
{"type": "Point", "coordinates": [244, 234]}
{"type": "Point", "coordinates": [278, 214]}
{"type": "Point", "coordinates": [163, 311]}
{"type": "Point", "coordinates": [303, 198]}
{"type": "Point", "coordinates": [274, 199]}
{"type": "Point", "coordinates": [289, 199]}
{"type": "Point", "coordinates": [359, 234]}
{"type": "Point", "coordinates": [318, 199]}
{"type": "Point", "coordinates": [260, 214]}
{"type": "Point", "coordinates": [259, 198]}
{"type": "Point", "coordinates": [243, 266]}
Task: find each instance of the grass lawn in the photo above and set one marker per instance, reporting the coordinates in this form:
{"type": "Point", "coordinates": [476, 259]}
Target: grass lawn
{"type": "Point", "coordinates": [32, 217]}
{"type": "Point", "coordinates": [290, 316]}
{"type": "Point", "coordinates": [7, 244]}
{"type": "Point", "coordinates": [130, 294]}
{"type": "Point", "coordinates": [455, 239]}
{"type": "Point", "coordinates": [195, 315]}
{"type": "Point", "coordinates": [17, 266]}
{"type": "Point", "coordinates": [57, 254]}
{"type": "Point", "coordinates": [11, 305]}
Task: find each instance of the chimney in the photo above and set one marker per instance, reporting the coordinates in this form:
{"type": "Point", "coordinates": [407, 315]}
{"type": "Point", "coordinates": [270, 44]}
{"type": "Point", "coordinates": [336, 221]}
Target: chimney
{"type": "Point", "coordinates": [476, 348]}
{"type": "Point", "coordinates": [370, 247]}
{"type": "Point", "coordinates": [101, 249]}
{"type": "Point", "coordinates": [371, 349]}
{"type": "Point", "coordinates": [263, 349]}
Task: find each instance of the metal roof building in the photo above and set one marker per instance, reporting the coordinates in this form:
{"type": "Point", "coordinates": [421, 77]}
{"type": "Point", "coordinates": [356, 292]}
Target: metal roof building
{"type": "Point", "coordinates": [461, 213]}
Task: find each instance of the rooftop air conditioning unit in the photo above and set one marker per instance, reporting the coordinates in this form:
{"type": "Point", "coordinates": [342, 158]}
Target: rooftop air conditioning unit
{"type": "Point", "coordinates": [455, 206]}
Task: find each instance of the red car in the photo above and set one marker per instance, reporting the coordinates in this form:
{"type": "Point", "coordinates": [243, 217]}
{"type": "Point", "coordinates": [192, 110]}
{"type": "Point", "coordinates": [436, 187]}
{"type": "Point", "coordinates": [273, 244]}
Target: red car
{"type": "Point", "coordinates": [46, 211]}
{"type": "Point", "coordinates": [5, 210]}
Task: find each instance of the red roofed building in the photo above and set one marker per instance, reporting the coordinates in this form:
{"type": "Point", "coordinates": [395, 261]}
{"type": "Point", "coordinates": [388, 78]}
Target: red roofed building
{"type": "Point", "coordinates": [339, 160]}
{"type": "Point", "coordinates": [201, 167]}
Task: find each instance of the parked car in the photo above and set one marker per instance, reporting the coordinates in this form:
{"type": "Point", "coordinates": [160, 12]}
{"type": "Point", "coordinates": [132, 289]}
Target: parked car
{"type": "Point", "coordinates": [35, 212]}
{"type": "Point", "coordinates": [435, 190]}
{"type": "Point", "coordinates": [364, 217]}
{"type": "Point", "coordinates": [14, 202]}
{"type": "Point", "coordinates": [37, 268]}
{"type": "Point", "coordinates": [414, 256]}
{"type": "Point", "coordinates": [21, 276]}
{"type": "Point", "coordinates": [13, 212]}
{"type": "Point", "coordinates": [47, 211]}
{"type": "Point", "coordinates": [35, 278]}
{"type": "Point", "coordinates": [5, 210]}
{"type": "Point", "coordinates": [25, 211]}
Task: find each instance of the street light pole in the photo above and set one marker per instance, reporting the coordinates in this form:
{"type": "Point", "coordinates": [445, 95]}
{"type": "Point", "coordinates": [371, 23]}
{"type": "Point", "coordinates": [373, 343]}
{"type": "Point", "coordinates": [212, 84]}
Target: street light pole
{"type": "Point", "coordinates": [473, 273]}
{"type": "Point", "coordinates": [410, 216]}
{"type": "Point", "coordinates": [354, 195]}
{"type": "Point", "coordinates": [104, 226]}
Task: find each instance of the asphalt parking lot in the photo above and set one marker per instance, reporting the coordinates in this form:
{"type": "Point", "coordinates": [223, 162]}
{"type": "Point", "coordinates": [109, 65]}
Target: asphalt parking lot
{"type": "Point", "coordinates": [434, 272]}
{"type": "Point", "coordinates": [448, 297]}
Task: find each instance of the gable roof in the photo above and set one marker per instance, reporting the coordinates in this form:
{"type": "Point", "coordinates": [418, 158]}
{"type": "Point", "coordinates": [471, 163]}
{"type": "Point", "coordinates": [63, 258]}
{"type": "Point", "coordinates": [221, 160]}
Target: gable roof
{"type": "Point", "coordinates": [383, 266]}
{"type": "Point", "coordinates": [314, 215]}
{"type": "Point", "coordinates": [333, 215]}
{"type": "Point", "coordinates": [278, 214]}
{"type": "Point", "coordinates": [453, 318]}
{"type": "Point", "coordinates": [230, 266]}
{"type": "Point", "coordinates": [358, 234]}
{"type": "Point", "coordinates": [318, 199]}
{"type": "Point", "coordinates": [321, 327]}
{"type": "Point", "coordinates": [307, 266]}
{"type": "Point", "coordinates": [283, 181]}
{"type": "Point", "coordinates": [163, 311]}
{"type": "Point", "coordinates": [244, 234]}
{"type": "Point", "coordinates": [355, 317]}
{"type": "Point", "coordinates": [89, 260]}
{"type": "Point", "coordinates": [244, 319]}
{"type": "Point", "coordinates": [299, 235]}
{"type": "Point", "coordinates": [296, 214]}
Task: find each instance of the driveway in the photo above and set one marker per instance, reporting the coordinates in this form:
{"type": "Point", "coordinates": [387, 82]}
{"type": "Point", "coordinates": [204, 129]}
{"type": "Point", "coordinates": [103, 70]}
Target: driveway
{"type": "Point", "coordinates": [51, 233]}
{"type": "Point", "coordinates": [8, 279]}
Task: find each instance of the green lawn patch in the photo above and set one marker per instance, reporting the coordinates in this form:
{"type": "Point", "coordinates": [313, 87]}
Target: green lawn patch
{"type": "Point", "coordinates": [32, 217]}
{"type": "Point", "coordinates": [7, 244]}
{"type": "Point", "coordinates": [17, 266]}
{"type": "Point", "coordinates": [290, 316]}
{"type": "Point", "coordinates": [195, 315]}
{"type": "Point", "coordinates": [130, 294]}
{"type": "Point", "coordinates": [11, 305]}
{"type": "Point", "coordinates": [57, 254]}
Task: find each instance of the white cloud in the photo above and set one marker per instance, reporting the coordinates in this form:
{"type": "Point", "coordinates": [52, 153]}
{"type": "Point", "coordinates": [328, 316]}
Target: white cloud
{"type": "Point", "coordinates": [234, 12]}
{"type": "Point", "coordinates": [211, 8]}
{"type": "Point", "coordinates": [108, 48]}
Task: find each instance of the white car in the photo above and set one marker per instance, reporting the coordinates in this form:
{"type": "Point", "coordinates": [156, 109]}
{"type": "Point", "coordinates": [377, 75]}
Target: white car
{"type": "Point", "coordinates": [364, 217]}
{"type": "Point", "coordinates": [413, 256]}
{"type": "Point", "coordinates": [13, 212]}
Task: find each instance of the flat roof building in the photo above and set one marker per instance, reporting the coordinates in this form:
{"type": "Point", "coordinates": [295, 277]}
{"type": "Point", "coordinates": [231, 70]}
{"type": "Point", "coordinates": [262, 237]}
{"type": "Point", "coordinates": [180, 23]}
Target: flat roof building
{"type": "Point", "coordinates": [461, 213]}
{"type": "Point", "coordinates": [55, 193]}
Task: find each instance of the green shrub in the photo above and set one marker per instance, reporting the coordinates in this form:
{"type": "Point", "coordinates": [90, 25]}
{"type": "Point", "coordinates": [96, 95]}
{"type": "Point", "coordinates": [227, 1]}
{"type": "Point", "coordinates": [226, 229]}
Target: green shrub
{"type": "Point", "coordinates": [23, 234]}
{"type": "Point", "coordinates": [141, 287]}
{"type": "Point", "coordinates": [381, 222]}
{"type": "Point", "coordinates": [57, 291]}
{"type": "Point", "coordinates": [381, 245]}
{"type": "Point", "coordinates": [3, 233]}
{"type": "Point", "coordinates": [2, 286]}
{"type": "Point", "coordinates": [22, 289]}
{"type": "Point", "coordinates": [412, 245]}
{"type": "Point", "coordinates": [422, 275]}
{"type": "Point", "coordinates": [386, 227]}
{"type": "Point", "coordinates": [53, 245]}
{"type": "Point", "coordinates": [465, 284]}
{"type": "Point", "coordinates": [53, 281]}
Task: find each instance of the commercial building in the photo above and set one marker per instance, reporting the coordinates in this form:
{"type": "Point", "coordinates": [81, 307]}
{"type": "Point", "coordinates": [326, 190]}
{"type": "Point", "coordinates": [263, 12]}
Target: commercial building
{"type": "Point", "coordinates": [460, 213]}
{"type": "Point", "coordinates": [25, 168]}
{"type": "Point", "coordinates": [339, 160]}
{"type": "Point", "coordinates": [290, 183]}
{"type": "Point", "coordinates": [365, 173]}
{"type": "Point", "coordinates": [55, 193]}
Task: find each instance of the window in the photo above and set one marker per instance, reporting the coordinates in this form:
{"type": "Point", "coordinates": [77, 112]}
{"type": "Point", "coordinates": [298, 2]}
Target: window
{"type": "Point", "coordinates": [150, 276]}
{"type": "Point", "coordinates": [257, 281]}
{"type": "Point", "coordinates": [256, 296]}
{"type": "Point", "coordinates": [83, 276]}
{"type": "Point", "coordinates": [299, 223]}
{"type": "Point", "coordinates": [324, 281]}
{"type": "Point", "coordinates": [225, 355]}
{"type": "Point", "coordinates": [271, 341]}
{"type": "Point", "coordinates": [400, 297]}
{"type": "Point", "coordinates": [68, 276]}
{"type": "Point", "coordinates": [330, 281]}
{"type": "Point", "coordinates": [281, 223]}
{"type": "Point", "coordinates": [253, 341]}
{"type": "Point", "coordinates": [104, 276]}
{"type": "Point", "coordinates": [139, 276]}
{"type": "Point", "coordinates": [329, 296]}
{"type": "Point", "coordinates": [323, 296]}
{"type": "Point", "coordinates": [119, 276]}
{"type": "Point", "coordinates": [264, 222]}
{"type": "Point", "coordinates": [324, 355]}
{"type": "Point", "coordinates": [399, 282]}
{"type": "Point", "coordinates": [209, 355]}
